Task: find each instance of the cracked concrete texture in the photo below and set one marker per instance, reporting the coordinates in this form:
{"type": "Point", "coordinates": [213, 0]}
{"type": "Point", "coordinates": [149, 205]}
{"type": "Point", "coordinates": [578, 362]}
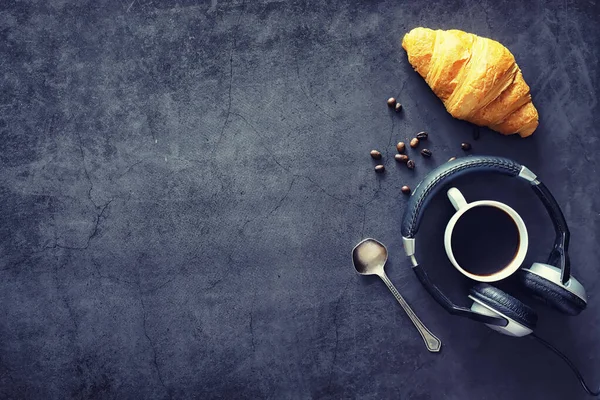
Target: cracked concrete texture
{"type": "Point", "coordinates": [181, 186]}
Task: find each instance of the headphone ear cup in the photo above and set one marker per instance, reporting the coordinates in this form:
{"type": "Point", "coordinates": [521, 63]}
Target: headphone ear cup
{"type": "Point", "coordinates": [505, 304]}
{"type": "Point", "coordinates": [550, 292]}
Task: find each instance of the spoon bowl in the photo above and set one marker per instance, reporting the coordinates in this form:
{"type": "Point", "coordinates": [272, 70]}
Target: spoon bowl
{"type": "Point", "coordinates": [369, 257]}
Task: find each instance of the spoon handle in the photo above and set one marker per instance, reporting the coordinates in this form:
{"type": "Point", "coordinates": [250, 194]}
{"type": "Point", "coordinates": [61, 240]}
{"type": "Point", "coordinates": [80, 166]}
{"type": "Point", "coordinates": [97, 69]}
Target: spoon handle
{"type": "Point", "coordinates": [433, 343]}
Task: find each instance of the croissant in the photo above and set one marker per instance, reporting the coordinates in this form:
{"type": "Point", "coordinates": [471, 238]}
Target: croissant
{"type": "Point", "coordinates": [477, 79]}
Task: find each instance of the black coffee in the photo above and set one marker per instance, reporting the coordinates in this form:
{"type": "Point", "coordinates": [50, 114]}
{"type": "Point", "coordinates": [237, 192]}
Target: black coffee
{"type": "Point", "coordinates": [484, 240]}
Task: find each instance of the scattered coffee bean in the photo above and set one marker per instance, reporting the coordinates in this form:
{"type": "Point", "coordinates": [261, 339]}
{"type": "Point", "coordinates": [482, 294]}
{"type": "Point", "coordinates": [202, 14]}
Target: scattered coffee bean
{"type": "Point", "coordinates": [400, 147]}
{"type": "Point", "coordinates": [465, 146]}
{"type": "Point", "coordinates": [422, 135]}
{"type": "Point", "coordinates": [391, 102]}
{"type": "Point", "coordinates": [414, 142]}
{"type": "Point", "coordinates": [476, 133]}
{"type": "Point", "coordinates": [375, 154]}
{"type": "Point", "coordinates": [410, 164]}
{"type": "Point", "coordinates": [426, 153]}
{"type": "Point", "coordinates": [403, 158]}
{"type": "Point", "coordinates": [405, 189]}
{"type": "Point", "coordinates": [452, 159]}
{"type": "Point", "coordinates": [379, 168]}
{"type": "Point", "coordinates": [398, 107]}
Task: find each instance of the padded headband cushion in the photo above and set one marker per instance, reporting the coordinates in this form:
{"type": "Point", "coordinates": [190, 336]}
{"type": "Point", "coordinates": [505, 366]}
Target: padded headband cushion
{"type": "Point", "coordinates": [552, 294]}
{"type": "Point", "coordinates": [505, 304]}
{"type": "Point", "coordinates": [443, 175]}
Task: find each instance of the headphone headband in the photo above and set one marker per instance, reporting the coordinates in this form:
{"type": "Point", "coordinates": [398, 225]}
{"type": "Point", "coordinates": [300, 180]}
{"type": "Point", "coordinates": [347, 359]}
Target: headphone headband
{"type": "Point", "coordinates": [446, 173]}
{"type": "Point", "coordinates": [559, 256]}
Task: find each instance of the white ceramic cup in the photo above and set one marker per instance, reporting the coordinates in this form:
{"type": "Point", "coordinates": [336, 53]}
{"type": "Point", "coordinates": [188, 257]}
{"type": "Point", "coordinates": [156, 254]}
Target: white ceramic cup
{"type": "Point", "coordinates": [461, 206]}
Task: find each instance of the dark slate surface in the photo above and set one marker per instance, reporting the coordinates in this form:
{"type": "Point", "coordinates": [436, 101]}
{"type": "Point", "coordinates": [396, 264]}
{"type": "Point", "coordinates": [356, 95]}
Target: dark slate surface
{"type": "Point", "coordinates": [182, 182]}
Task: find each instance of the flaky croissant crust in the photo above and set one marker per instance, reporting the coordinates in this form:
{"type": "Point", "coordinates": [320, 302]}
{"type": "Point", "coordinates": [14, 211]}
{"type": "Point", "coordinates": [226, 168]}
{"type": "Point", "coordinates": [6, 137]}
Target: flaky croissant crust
{"type": "Point", "coordinates": [477, 79]}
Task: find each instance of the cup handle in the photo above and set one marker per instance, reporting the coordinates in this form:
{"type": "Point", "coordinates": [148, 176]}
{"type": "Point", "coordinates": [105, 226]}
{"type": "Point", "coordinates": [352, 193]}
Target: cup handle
{"type": "Point", "coordinates": [456, 198]}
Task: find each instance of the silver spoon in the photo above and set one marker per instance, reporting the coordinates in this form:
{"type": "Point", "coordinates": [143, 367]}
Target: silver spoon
{"type": "Point", "coordinates": [369, 258]}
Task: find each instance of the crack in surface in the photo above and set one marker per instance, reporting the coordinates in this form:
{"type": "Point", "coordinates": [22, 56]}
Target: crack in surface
{"type": "Point", "coordinates": [233, 45]}
{"type": "Point", "coordinates": [582, 145]}
{"type": "Point", "coordinates": [160, 286]}
{"type": "Point", "coordinates": [64, 297]}
{"type": "Point", "coordinates": [251, 323]}
{"type": "Point", "coordinates": [310, 99]}
{"type": "Point", "coordinates": [127, 169]}
{"type": "Point", "coordinates": [362, 231]}
{"type": "Point", "coordinates": [279, 204]}
{"type": "Point", "coordinates": [335, 323]}
{"type": "Point", "coordinates": [217, 192]}
{"type": "Point", "coordinates": [387, 148]}
{"type": "Point", "coordinates": [282, 166]}
{"type": "Point", "coordinates": [110, 278]}
{"type": "Point", "coordinates": [152, 345]}
{"type": "Point", "coordinates": [91, 236]}
{"type": "Point", "coordinates": [85, 170]}
{"type": "Point", "coordinates": [364, 206]}
{"type": "Point", "coordinates": [282, 199]}
{"type": "Point", "coordinates": [131, 5]}
{"type": "Point", "coordinates": [255, 130]}
{"type": "Point", "coordinates": [60, 246]}
{"type": "Point", "coordinates": [314, 102]}
{"type": "Point", "coordinates": [26, 258]}
{"type": "Point", "coordinates": [228, 112]}
{"type": "Point", "coordinates": [322, 189]}
{"type": "Point", "coordinates": [215, 283]}
{"type": "Point", "coordinates": [252, 334]}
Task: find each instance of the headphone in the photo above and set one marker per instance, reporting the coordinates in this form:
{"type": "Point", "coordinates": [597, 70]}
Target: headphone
{"type": "Point", "coordinates": [550, 282]}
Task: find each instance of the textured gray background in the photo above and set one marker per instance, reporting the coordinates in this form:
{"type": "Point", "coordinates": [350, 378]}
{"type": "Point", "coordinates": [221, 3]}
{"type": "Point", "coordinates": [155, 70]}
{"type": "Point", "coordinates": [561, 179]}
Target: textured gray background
{"type": "Point", "coordinates": [182, 182]}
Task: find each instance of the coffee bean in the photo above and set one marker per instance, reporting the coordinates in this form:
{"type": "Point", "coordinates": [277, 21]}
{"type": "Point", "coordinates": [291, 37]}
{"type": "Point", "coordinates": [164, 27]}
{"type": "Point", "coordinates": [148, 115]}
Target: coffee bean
{"type": "Point", "coordinates": [379, 168]}
{"type": "Point", "coordinates": [375, 154]}
{"type": "Point", "coordinates": [405, 189]}
{"type": "Point", "coordinates": [465, 146]}
{"type": "Point", "coordinates": [400, 147]}
{"type": "Point", "coordinates": [476, 133]}
{"type": "Point", "coordinates": [403, 158]}
{"type": "Point", "coordinates": [414, 142]}
{"type": "Point", "coordinates": [391, 102]}
{"type": "Point", "coordinates": [422, 135]}
{"type": "Point", "coordinates": [410, 164]}
{"type": "Point", "coordinates": [426, 153]}
{"type": "Point", "coordinates": [452, 159]}
{"type": "Point", "coordinates": [398, 107]}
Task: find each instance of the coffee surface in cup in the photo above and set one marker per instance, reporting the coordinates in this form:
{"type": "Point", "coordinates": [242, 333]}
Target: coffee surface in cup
{"type": "Point", "coordinates": [485, 240]}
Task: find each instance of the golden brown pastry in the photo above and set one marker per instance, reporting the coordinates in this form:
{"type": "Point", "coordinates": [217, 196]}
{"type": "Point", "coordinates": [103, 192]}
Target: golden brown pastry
{"type": "Point", "coordinates": [477, 79]}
